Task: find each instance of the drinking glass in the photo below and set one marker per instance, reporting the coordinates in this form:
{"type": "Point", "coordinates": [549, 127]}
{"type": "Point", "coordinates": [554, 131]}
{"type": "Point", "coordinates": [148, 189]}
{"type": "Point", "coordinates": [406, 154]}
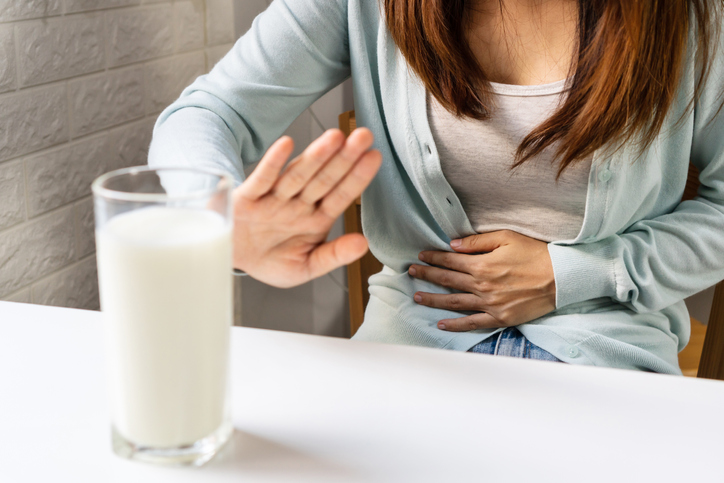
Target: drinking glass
{"type": "Point", "coordinates": [163, 239]}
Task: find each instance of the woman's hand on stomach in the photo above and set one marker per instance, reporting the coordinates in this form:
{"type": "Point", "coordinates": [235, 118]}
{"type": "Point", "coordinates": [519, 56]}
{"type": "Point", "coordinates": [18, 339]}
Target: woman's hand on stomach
{"type": "Point", "coordinates": [282, 216]}
{"type": "Point", "coordinates": [505, 277]}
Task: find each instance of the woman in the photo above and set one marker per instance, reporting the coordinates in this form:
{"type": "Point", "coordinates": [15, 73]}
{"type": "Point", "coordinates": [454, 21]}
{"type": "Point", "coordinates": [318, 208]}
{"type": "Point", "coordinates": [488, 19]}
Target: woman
{"type": "Point", "coordinates": [582, 253]}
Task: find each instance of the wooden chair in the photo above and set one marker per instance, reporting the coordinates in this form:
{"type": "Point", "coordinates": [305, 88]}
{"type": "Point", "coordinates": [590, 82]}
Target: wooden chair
{"type": "Point", "coordinates": [711, 364]}
{"type": "Point", "coordinates": [359, 272]}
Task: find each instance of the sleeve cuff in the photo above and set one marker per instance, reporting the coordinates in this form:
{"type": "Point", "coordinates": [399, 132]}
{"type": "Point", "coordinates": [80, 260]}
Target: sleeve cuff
{"type": "Point", "coordinates": [582, 272]}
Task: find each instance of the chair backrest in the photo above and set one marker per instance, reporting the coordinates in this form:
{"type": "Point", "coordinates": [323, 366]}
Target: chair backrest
{"type": "Point", "coordinates": [711, 365]}
{"type": "Point", "coordinates": [359, 272]}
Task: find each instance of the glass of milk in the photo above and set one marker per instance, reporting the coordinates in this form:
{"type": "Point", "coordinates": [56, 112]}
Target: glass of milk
{"type": "Point", "coordinates": [163, 241]}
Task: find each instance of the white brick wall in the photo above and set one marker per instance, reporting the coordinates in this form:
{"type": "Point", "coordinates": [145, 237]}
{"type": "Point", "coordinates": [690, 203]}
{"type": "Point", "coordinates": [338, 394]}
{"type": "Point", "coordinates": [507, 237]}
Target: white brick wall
{"type": "Point", "coordinates": [219, 22]}
{"type": "Point", "coordinates": [137, 34]}
{"type": "Point", "coordinates": [7, 52]}
{"type": "Point", "coordinates": [59, 48]}
{"type": "Point", "coordinates": [32, 119]}
{"type": "Point", "coordinates": [81, 84]}
{"type": "Point", "coordinates": [189, 25]}
{"type": "Point", "coordinates": [38, 248]}
{"type": "Point", "coordinates": [11, 10]}
{"type": "Point", "coordinates": [107, 99]}
{"type": "Point", "coordinates": [166, 78]}
{"type": "Point", "coordinates": [12, 196]}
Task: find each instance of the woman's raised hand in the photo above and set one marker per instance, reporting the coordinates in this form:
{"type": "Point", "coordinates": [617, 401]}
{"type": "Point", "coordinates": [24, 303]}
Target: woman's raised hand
{"type": "Point", "coordinates": [282, 216]}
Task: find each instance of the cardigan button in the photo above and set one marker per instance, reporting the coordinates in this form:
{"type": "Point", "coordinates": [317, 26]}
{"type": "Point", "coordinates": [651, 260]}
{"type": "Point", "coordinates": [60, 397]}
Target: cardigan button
{"type": "Point", "coordinates": [573, 351]}
{"type": "Point", "coordinates": [604, 175]}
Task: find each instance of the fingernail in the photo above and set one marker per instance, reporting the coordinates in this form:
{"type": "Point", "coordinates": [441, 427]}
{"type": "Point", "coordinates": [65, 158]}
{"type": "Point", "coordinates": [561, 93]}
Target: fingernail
{"type": "Point", "coordinates": [441, 326]}
{"type": "Point", "coordinates": [418, 298]}
{"type": "Point", "coordinates": [412, 271]}
{"type": "Point", "coordinates": [421, 256]}
{"type": "Point", "coordinates": [456, 243]}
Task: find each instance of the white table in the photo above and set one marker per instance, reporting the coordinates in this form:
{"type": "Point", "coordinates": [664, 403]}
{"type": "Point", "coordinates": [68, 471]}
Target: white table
{"type": "Point", "coordinates": [318, 409]}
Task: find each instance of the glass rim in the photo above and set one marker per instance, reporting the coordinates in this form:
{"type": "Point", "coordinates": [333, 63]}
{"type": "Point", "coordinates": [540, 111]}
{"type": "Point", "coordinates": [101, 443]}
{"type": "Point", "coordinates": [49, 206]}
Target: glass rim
{"type": "Point", "coordinates": [98, 189]}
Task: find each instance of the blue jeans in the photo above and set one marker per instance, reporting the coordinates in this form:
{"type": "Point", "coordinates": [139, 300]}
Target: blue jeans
{"type": "Point", "coordinates": [512, 343]}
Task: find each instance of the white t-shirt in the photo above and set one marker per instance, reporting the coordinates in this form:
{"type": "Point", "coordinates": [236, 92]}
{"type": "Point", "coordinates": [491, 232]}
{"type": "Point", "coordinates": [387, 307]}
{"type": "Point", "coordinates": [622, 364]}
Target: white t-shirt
{"type": "Point", "coordinates": [476, 157]}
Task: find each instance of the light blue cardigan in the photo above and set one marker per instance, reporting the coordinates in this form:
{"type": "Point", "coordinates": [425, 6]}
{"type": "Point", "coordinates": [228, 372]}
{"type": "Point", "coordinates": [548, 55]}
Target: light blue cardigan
{"type": "Point", "coordinates": [620, 282]}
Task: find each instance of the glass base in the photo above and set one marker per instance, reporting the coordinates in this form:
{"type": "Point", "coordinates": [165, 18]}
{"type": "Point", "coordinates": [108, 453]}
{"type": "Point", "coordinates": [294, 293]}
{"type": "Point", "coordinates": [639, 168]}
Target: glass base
{"type": "Point", "coordinates": [195, 454]}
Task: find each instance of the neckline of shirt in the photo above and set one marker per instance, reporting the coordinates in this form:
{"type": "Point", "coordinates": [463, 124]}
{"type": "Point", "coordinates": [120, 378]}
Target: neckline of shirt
{"type": "Point", "coordinates": [515, 90]}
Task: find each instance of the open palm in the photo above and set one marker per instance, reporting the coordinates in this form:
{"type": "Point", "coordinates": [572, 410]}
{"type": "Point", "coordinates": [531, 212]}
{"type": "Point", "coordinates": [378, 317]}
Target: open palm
{"type": "Point", "coordinates": [282, 216]}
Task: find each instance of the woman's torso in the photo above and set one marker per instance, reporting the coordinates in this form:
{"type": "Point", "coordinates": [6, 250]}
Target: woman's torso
{"type": "Point", "coordinates": [476, 157]}
{"type": "Point", "coordinates": [411, 207]}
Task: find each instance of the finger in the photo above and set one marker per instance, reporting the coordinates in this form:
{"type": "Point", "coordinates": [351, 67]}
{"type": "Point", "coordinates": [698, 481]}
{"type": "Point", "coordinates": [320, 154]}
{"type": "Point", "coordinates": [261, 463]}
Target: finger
{"type": "Point", "coordinates": [336, 253]}
{"type": "Point", "coordinates": [483, 243]}
{"type": "Point", "coordinates": [352, 185]}
{"type": "Point", "coordinates": [267, 171]}
{"type": "Point", "coordinates": [307, 164]}
{"type": "Point", "coordinates": [456, 301]}
{"type": "Point", "coordinates": [470, 322]}
{"type": "Point", "coordinates": [444, 277]}
{"type": "Point", "coordinates": [456, 261]}
{"type": "Point", "coordinates": [336, 168]}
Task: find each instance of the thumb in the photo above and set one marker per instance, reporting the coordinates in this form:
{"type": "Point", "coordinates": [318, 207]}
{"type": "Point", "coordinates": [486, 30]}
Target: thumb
{"type": "Point", "coordinates": [483, 243]}
{"type": "Point", "coordinates": [341, 251]}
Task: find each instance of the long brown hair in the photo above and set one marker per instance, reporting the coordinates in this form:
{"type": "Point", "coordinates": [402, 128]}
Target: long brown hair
{"type": "Point", "coordinates": [629, 62]}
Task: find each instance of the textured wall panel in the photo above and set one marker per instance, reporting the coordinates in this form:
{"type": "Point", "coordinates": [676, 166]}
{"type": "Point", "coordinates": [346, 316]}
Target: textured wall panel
{"type": "Point", "coordinates": [75, 286]}
{"type": "Point", "coordinates": [23, 296]}
{"type": "Point", "coordinates": [245, 11]}
{"type": "Point", "coordinates": [24, 9]}
{"type": "Point", "coordinates": [137, 34]}
{"type": "Point", "coordinates": [33, 250]}
{"type": "Point", "coordinates": [32, 120]}
{"type": "Point", "coordinates": [7, 59]}
{"type": "Point", "coordinates": [129, 144]}
{"type": "Point", "coordinates": [65, 174]}
{"type": "Point", "coordinates": [72, 6]}
{"type": "Point", "coordinates": [105, 100]}
{"type": "Point", "coordinates": [12, 194]}
{"type": "Point", "coordinates": [165, 79]}
{"type": "Point", "coordinates": [189, 25]}
{"type": "Point", "coordinates": [60, 48]}
{"type": "Point", "coordinates": [85, 227]}
{"type": "Point", "coordinates": [219, 22]}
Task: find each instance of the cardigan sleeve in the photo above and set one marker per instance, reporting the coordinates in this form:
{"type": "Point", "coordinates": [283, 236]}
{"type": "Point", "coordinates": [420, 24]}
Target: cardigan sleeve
{"type": "Point", "coordinates": [657, 262]}
{"type": "Point", "coordinates": [295, 51]}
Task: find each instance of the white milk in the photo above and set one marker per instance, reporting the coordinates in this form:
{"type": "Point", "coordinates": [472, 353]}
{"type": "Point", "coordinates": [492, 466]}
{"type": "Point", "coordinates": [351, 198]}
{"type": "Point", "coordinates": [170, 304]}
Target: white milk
{"type": "Point", "coordinates": [165, 287]}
